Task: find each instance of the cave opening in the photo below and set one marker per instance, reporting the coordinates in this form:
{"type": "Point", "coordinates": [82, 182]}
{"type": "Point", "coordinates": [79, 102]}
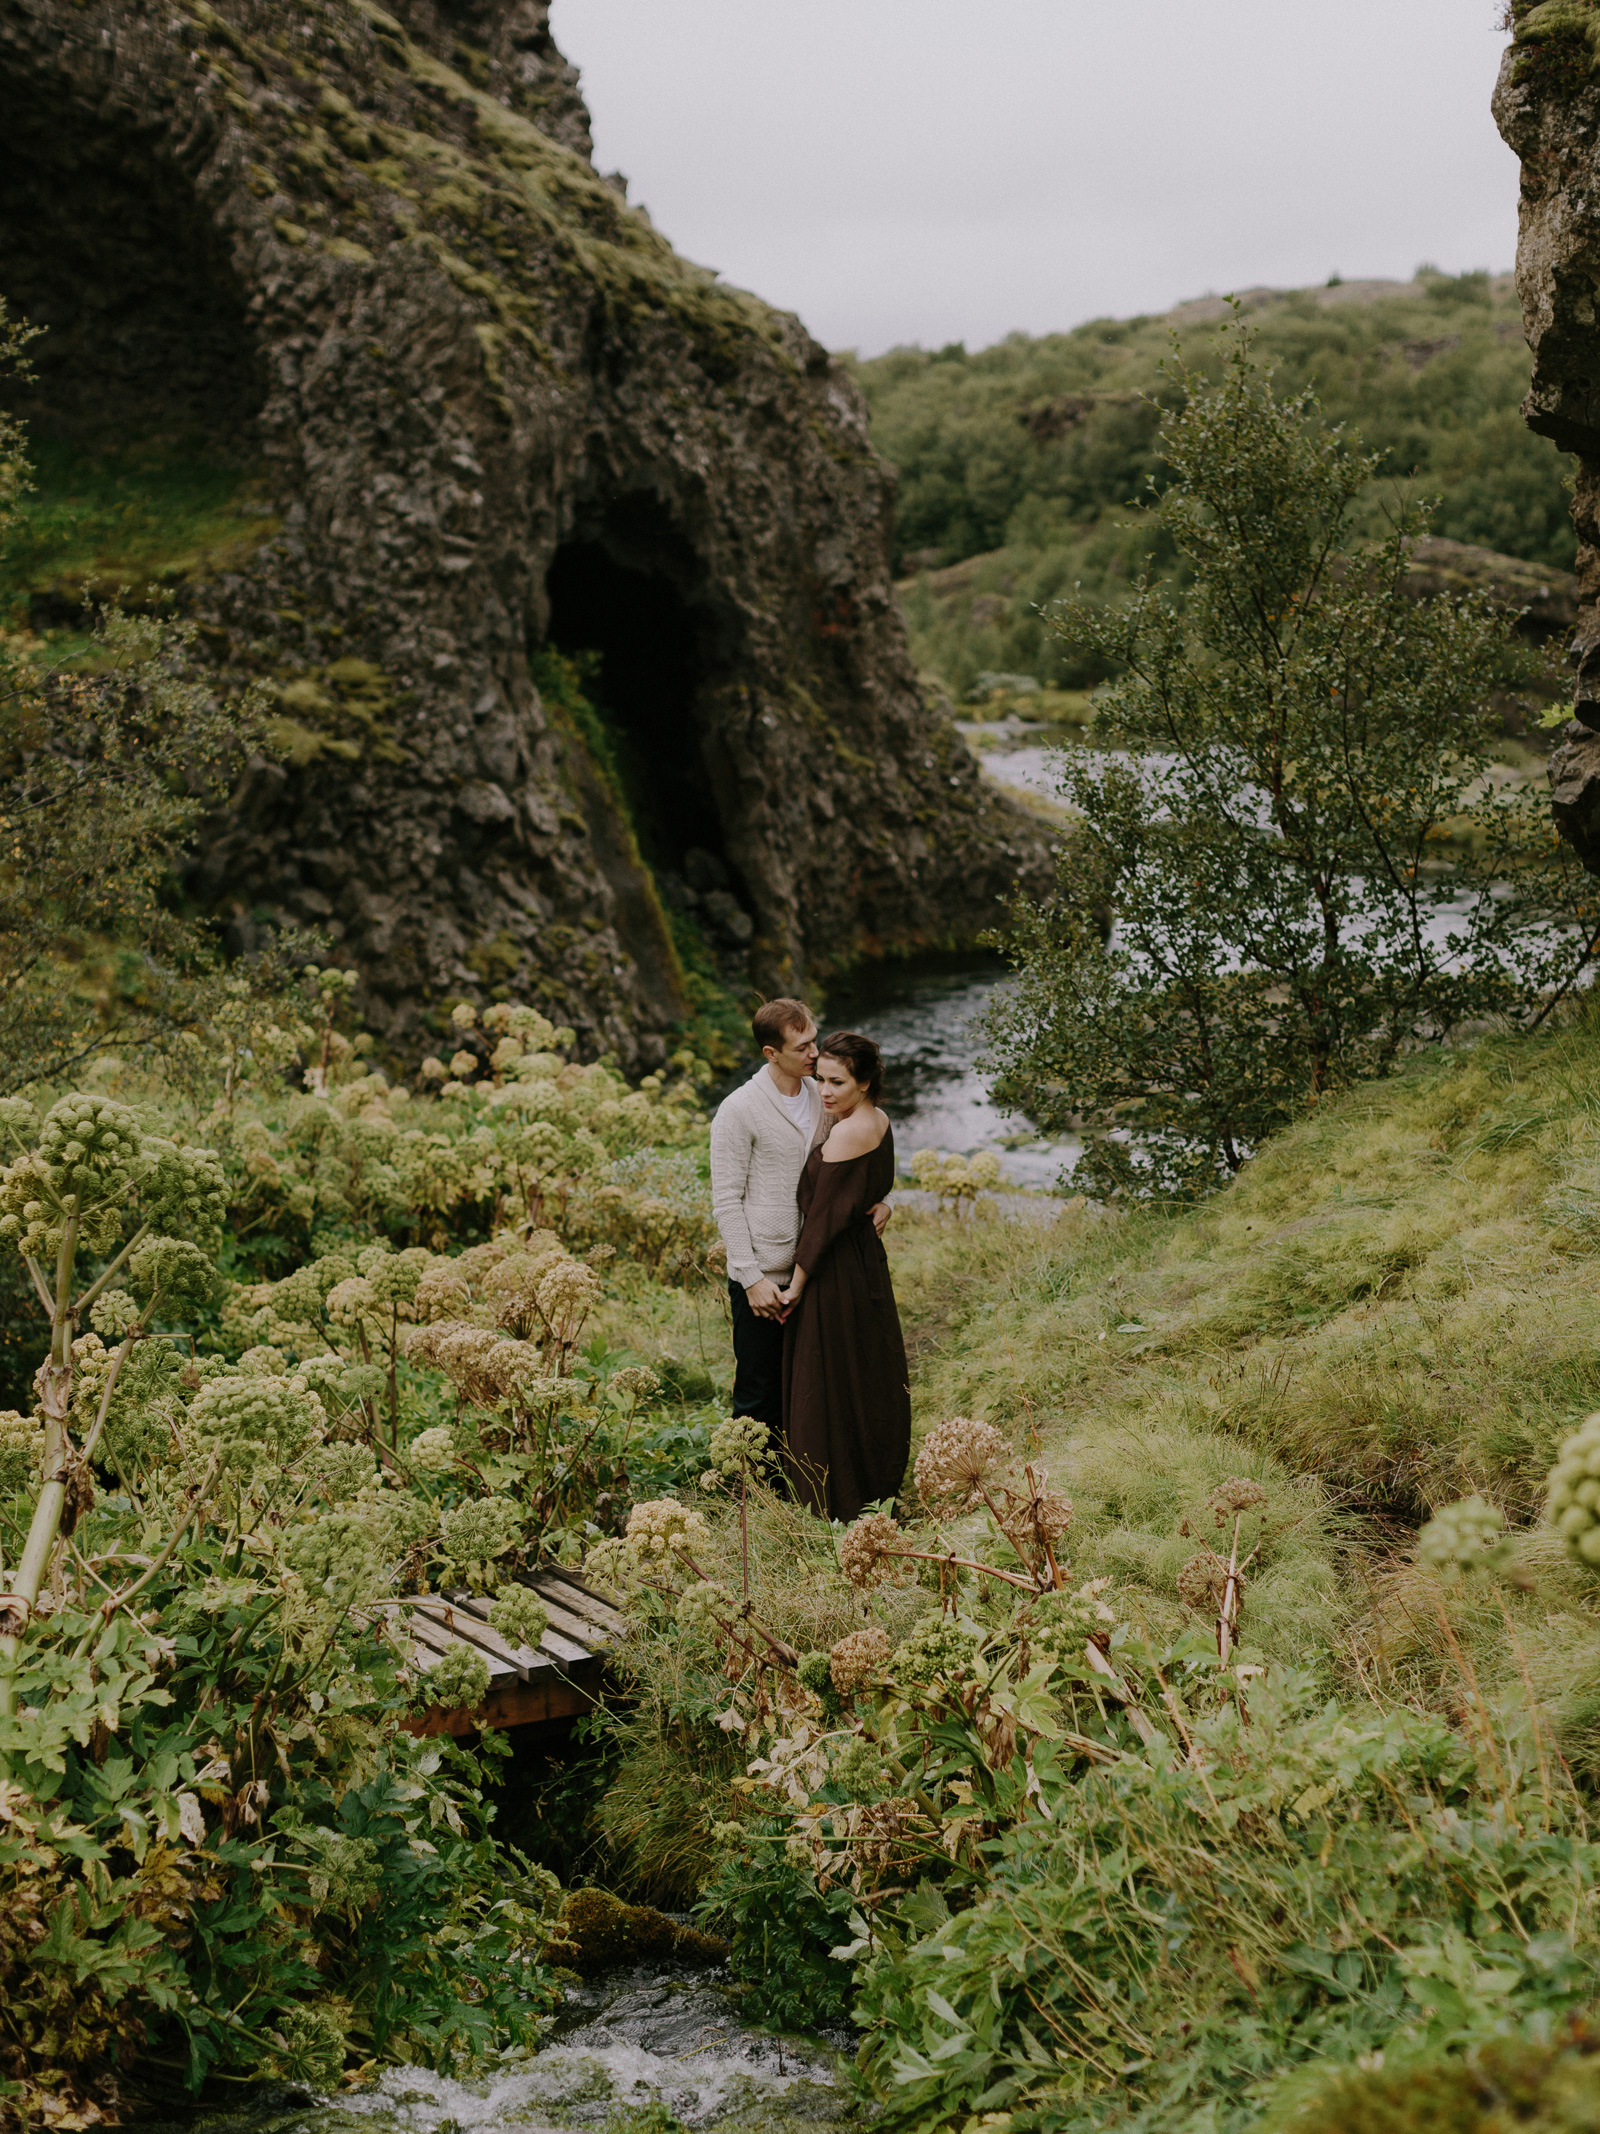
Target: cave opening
{"type": "Point", "coordinates": [146, 383]}
{"type": "Point", "coordinates": [640, 661]}
{"type": "Point", "coordinates": [641, 649]}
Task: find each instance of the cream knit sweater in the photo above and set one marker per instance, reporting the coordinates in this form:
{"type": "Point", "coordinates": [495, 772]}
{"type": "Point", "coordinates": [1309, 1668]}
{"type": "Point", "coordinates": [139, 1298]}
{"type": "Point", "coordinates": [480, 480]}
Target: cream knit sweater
{"type": "Point", "coordinates": [757, 1155]}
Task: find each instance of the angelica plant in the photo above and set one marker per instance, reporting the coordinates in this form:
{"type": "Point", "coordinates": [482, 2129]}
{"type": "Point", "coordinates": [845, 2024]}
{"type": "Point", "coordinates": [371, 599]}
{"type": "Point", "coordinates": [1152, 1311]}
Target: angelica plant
{"type": "Point", "coordinates": [77, 1177]}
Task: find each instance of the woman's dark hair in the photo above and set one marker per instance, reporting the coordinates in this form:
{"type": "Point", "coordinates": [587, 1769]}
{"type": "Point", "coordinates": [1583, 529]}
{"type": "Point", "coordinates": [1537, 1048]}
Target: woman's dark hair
{"type": "Point", "coordinates": [859, 1054]}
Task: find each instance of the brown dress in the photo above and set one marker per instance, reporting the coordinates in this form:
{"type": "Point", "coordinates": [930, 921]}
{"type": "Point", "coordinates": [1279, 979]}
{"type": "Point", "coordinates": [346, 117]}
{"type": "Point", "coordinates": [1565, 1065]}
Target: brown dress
{"type": "Point", "coordinates": [846, 1389]}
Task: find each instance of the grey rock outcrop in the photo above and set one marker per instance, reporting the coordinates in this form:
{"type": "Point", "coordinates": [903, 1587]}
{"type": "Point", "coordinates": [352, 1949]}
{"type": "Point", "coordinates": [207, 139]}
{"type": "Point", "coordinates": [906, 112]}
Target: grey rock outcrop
{"type": "Point", "coordinates": [1547, 106]}
{"type": "Point", "coordinates": [492, 412]}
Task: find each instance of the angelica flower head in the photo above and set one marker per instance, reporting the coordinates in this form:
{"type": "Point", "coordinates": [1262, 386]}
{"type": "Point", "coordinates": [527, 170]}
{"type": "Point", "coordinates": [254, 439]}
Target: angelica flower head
{"type": "Point", "coordinates": [1468, 1536]}
{"type": "Point", "coordinates": [432, 1451]}
{"type": "Point", "coordinates": [662, 1526]}
{"type": "Point", "coordinates": [859, 1658]}
{"type": "Point", "coordinates": [519, 1615]}
{"type": "Point", "coordinates": [936, 1650]}
{"type": "Point", "coordinates": [706, 1605]}
{"type": "Point", "coordinates": [1573, 1506]}
{"type": "Point", "coordinates": [114, 1314]}
{"type": "Point", "coordinates": [458, 1679]}
{"type": "Point", "coordinates": [350, 1301]}
{"type": "Point", "coordinates": [254, 1423]}
{"type": "Point", "coordinates": [476, 1533]}
{"type": "Point", "coordinates": [1239, 1493]}
{"type": "Point", "coordinates": [869, 1553]}
{"type": "Point", "coordinates": [743, 1445]}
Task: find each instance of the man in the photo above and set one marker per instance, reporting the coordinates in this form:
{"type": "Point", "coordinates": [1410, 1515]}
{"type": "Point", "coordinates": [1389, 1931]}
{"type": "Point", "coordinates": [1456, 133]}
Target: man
{"type": "Point", "coordinates": [760, 1139]}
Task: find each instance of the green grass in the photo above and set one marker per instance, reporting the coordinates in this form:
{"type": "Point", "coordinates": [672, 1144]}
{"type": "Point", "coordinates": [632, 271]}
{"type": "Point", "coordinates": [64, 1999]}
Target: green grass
{"type": "Point", "coordinates": [1398, 1295]}
{"type": "Point", "coordinates": [1395, 1304]}
{"type": "Point", "coordinates": [146, 518]}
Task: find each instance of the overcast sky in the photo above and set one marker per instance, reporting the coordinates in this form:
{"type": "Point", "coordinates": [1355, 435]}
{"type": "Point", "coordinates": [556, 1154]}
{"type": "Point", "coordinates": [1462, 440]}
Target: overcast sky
{"type": "Point", "coordinates": [928, 171]}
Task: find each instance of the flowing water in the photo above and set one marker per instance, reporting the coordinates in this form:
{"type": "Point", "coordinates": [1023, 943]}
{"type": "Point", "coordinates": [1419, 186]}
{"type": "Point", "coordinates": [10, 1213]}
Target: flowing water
{"type": "Point", "coordinates": [921, 1012]}
{"type": "Point", "coordinates": [662, 2036]}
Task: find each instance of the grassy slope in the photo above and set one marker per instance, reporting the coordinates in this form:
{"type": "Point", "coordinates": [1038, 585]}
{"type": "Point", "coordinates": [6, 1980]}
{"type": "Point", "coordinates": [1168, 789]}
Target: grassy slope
{"type": "Point", "coordinates": [1027, 454]}
{"type": "Point", "coordinates": [145, 517]}
{"type": "Point", "coordinates": [1395, 1303]}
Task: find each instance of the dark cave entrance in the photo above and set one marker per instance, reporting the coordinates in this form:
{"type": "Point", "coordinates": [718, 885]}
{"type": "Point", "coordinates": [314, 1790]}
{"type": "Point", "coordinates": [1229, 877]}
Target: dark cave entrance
{"type": "Point", "coordinates": [618, 608]}
{"type": "Point", "coordinates": [141, 413]}
{"type": "Point", "coordinates": [642, 673]}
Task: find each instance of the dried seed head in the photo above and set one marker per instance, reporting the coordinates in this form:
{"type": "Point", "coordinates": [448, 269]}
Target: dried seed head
{"type": "Point", "coordinates": [956, 1459]}
{"type": "Point", "coordinates": [1238, 1494]}
{"type": "Point", "coordinates": [1202, 1584]}
{"type": "Point", "coordinates": [857, 1658]}
{"type": "Point", "coordinates": [868, 1553]}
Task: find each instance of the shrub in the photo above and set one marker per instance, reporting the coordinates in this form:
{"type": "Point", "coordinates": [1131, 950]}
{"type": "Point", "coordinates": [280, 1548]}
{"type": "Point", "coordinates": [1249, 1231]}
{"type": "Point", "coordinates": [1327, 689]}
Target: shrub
{"type": "Point", "coordinates": [1314, 869]}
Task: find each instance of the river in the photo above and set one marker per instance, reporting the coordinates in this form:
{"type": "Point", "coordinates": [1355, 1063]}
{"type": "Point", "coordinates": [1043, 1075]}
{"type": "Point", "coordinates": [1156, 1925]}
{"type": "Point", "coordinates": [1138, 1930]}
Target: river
{"type": "Point", "coordinates": [921, 1011]}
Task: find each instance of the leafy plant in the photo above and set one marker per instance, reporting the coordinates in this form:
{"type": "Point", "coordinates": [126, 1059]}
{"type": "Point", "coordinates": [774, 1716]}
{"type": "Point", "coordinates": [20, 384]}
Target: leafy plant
{"type": "Point", "coordinates": [784, 1932]}
{"type": "Point", "coordinates": [1306, 866]}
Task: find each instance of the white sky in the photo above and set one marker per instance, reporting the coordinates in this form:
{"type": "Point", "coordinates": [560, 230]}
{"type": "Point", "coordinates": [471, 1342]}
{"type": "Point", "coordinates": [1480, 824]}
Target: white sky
{"type": "Point", "coordinates": [939, 170]}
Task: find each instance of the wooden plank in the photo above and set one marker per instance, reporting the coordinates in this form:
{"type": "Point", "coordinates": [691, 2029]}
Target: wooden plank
{"type": "Point", "coordinates": [429, 1635]}
{"type": "Point", "coordinates": [582, 1599]}
{"type": "Point", "coordinates": [568, 1631]}
{"type": "Point", "coordinates": [473, 1628]}
{"type": "Point", "coordinates": [557, 1650]}
{"type": "Point", "coordinates": [518, 1704]}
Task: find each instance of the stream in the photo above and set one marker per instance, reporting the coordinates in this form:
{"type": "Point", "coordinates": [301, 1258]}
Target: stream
{"type": "Point", "coordinates": [663, 2036]}
{"type": "Point", "coordinates": [921, 1012]}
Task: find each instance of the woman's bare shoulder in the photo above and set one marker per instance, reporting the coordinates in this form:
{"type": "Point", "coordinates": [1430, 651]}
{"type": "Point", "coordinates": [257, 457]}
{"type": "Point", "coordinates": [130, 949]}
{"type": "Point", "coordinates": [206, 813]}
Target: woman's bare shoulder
{"type": "Point", "coordinates": [856, 1136]}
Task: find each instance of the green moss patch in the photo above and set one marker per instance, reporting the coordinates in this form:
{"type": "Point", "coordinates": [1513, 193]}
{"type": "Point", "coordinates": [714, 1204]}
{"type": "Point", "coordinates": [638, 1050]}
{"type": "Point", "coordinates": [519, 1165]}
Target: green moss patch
{"type": "Point", "coordinates": [343, 711]}
{"type": "Point", "coordinates": [144, 518]}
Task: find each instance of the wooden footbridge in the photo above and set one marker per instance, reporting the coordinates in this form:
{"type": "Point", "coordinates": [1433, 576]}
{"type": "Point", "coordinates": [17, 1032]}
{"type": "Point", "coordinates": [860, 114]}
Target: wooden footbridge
{"type": "Point", "coordinates": [558, 1681]}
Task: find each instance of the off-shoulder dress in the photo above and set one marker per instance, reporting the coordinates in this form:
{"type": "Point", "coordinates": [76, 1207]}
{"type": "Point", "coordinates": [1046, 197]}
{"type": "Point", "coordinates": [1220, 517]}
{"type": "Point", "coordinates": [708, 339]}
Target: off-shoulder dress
{"type": "Point", "coordinates": [847, 1393]}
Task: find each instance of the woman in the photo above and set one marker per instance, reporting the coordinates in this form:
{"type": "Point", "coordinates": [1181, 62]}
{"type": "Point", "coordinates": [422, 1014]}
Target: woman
{"type": "Point", "coordinates": [846, 1391]}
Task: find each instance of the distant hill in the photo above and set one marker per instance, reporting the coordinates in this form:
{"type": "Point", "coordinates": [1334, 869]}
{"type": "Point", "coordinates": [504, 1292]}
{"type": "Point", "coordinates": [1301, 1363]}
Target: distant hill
{"type": "Point", "coordinates": [1019, 462]}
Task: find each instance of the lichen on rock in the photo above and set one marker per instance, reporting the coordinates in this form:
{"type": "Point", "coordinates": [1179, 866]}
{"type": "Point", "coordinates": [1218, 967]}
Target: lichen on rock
{"type": "Point", "coordinates": [365, 252]}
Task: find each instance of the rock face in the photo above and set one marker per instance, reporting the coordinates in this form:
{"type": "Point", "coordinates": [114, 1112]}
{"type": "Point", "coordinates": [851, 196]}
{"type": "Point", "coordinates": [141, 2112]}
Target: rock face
{"type": "Point", "coordinates": [492, 413]}
{"type": "Point", "coordinates": [1547, 105]}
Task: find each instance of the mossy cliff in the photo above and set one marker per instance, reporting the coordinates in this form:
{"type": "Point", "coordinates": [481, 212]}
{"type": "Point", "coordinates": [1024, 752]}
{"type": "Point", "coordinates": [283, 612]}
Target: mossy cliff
{"type": "Point", "coordinates": [480, 407]}
{"type": "Point", "coordinates": [1547, 105]}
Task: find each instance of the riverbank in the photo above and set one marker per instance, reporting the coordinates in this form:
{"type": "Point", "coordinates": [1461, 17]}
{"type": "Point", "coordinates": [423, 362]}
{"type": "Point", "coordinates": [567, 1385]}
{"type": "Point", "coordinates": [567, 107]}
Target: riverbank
{"type": "Point", "coordinates": [1392, 1309]}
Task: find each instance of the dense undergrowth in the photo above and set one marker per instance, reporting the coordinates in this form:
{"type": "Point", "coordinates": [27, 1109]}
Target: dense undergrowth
{"type": "Point", "coordinates": [1139, 1771]}
{"type": "Point", "coordinates": [304, 1349]}
{"type": "Point", "coordinates": [1018, 462]}
{"type": "Point", "coordinates": [1362, 1842]}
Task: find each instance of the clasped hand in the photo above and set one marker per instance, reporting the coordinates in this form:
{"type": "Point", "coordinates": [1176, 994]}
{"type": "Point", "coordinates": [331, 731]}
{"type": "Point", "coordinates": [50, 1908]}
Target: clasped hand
{"type": "Point", "coordinates": [768, 1301]}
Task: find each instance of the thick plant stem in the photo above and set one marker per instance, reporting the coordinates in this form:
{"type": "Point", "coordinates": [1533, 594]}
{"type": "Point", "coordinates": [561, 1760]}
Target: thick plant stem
{"type": "Point", "coordinates": [55, 1405]}
{"type": "Point", "coordinates": [744, 1529]}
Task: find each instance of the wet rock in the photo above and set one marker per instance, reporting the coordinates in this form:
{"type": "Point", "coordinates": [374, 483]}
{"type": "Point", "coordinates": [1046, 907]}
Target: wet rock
{"type": "Point", "coordinates": [729, 921]}
{"type": "Point", "coordinates": [1547, 106]}
{"type": "Point", "coordinates": [703, 871]}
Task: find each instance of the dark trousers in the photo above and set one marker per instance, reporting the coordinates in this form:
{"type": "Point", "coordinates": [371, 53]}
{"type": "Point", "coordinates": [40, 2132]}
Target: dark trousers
{"type": "Point", "coordinates": [757, 1365]}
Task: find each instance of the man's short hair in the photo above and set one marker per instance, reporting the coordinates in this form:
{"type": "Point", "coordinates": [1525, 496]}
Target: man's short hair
{"type": "Point", "coordinates": [774, 1019]}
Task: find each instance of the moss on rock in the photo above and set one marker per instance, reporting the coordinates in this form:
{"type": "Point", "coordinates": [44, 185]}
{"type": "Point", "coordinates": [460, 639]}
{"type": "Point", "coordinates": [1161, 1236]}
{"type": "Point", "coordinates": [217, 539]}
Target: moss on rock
{"type": "Point", "coordinates": [597, 1932]}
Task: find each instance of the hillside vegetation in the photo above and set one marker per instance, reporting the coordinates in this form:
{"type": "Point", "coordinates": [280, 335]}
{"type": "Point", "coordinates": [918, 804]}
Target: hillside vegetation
{"type": "Point", "coordinates": [1020, 461]}
{"type": "Point", "coordinates": [1356, 1858]}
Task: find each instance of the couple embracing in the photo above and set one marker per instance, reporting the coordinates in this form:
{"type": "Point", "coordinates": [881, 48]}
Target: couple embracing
{"type": "Point", "coordinates": [801, 1159]}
